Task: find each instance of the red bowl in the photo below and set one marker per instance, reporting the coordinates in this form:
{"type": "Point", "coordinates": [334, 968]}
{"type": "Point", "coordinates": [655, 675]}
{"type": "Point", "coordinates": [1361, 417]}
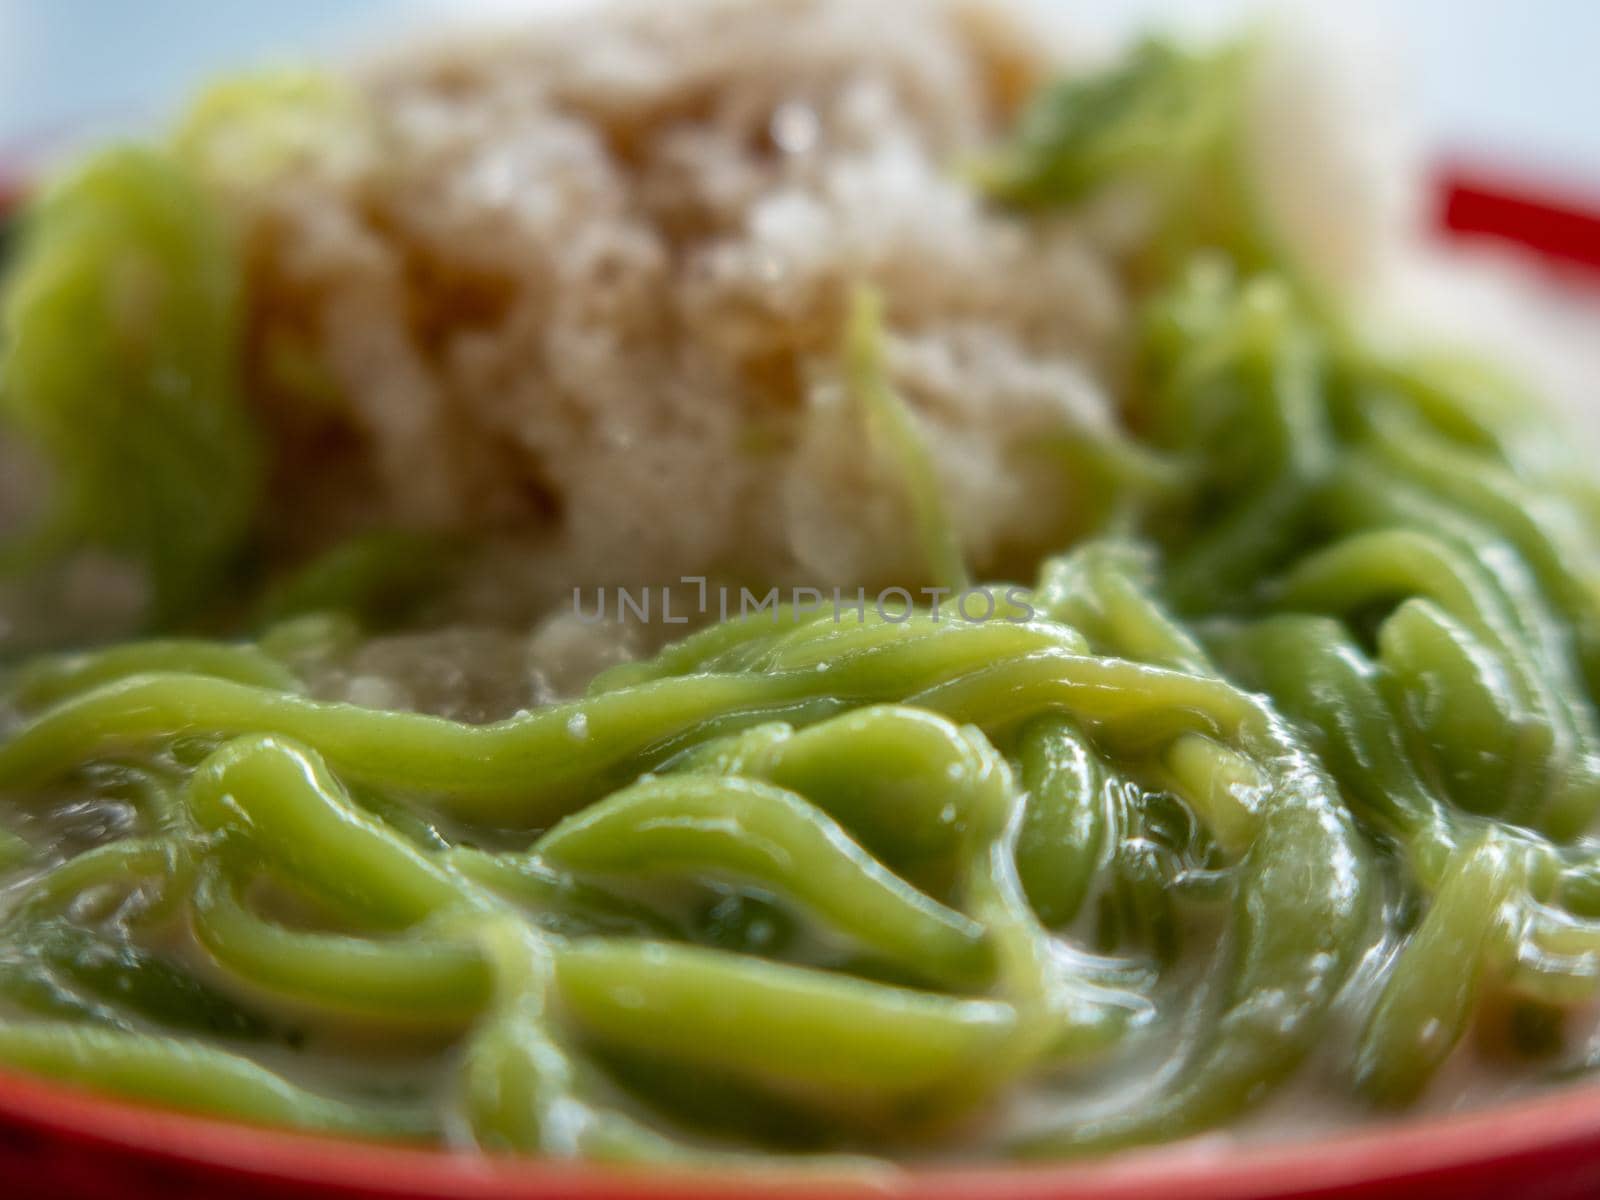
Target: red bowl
{"type": "Point", "coordinates": [73, 1146]}
{"type": "Point", "coordinates": [69, 1145]}
{"type": "Point", "coordinates": [1558, 222]}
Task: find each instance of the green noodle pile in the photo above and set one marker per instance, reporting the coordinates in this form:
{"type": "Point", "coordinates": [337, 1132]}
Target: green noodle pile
{"type": "Point", "coordinates": [1302, 752]}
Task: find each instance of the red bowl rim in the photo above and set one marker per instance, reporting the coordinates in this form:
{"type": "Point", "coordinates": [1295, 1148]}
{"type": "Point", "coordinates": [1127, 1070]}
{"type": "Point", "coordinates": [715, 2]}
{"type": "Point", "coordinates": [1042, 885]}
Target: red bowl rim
{"type": "Point", "coordinates": [1556, 220]}
{"type": "Point", "coordinates": [1431, 1150]}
